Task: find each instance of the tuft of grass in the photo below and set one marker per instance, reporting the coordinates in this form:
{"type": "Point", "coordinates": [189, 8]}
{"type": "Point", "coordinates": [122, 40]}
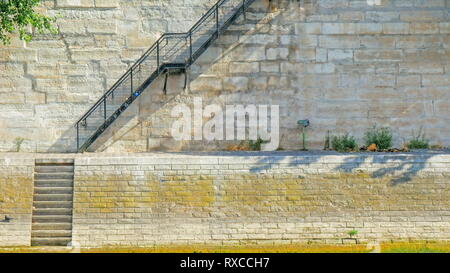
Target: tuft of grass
{"type": "Point", "coordinates": [352, 233]}
{"type": "Point", "coordinates": [418, 141]}
{"type": "Point", "coordinates": [382, 137]}
{"type": "Point", "coordinates": [345, 143]}
{"type": "Point", "coordinates": [18, 142]}
{"type": "Point", "coordinates": [415, 248]}
{"type": "Point", "coordinates": [256, 145]}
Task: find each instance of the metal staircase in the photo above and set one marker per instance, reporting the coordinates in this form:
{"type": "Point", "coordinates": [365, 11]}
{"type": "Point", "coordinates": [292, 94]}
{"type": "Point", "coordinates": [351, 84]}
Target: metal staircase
{"type": "Point", "coordinates": [172, 51]}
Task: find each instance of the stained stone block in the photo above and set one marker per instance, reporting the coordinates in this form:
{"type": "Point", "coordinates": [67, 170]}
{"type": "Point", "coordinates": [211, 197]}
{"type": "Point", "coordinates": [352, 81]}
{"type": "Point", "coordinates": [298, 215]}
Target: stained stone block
{"type": "Point", "coordinates": [107, 3]}
{"type": "Point", "coordinates": [75, 3]}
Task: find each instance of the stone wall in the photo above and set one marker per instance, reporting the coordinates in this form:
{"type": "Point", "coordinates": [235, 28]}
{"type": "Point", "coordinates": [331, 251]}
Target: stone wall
{"type": "Point", "coordinates": [240, 198]}
{"type": "Point", "coordinates": [345, 65]}
{"type": "Point", "coordinates": [16, 199]}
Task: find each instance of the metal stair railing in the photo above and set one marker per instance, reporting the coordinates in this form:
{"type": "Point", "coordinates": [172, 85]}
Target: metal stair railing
{"type": "Point", "coordinates": [170, 51]}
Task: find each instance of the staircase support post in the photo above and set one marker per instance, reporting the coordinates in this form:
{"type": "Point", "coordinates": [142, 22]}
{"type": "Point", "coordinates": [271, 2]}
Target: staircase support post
{"type": "Point", "coordinates": [104, 108]}
{"type": "Point", "coordinates": [217, 20]}
{"type": "Point", "coordinates": [165, 83]}
{"type": "Point", "coordinates": [157, 55]}
{"type": "Point", "coordinates": [190, 48]}
{"type": "Point", "coordinates": [78, 136]}
{"type": "Point", "coordinates": [131, 75]}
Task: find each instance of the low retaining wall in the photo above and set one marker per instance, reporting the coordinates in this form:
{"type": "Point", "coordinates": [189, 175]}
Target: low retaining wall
{"type": "Point", "coordinates": [16, 199]}
{"type": "Point", "coordinates": [247, 198]}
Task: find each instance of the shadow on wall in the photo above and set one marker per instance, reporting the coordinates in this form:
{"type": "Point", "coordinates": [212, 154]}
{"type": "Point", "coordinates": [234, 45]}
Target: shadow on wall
{"type": "Point", "coordinates": [402, 167]}
{"type": "Point", "coordinates": [137, 116]}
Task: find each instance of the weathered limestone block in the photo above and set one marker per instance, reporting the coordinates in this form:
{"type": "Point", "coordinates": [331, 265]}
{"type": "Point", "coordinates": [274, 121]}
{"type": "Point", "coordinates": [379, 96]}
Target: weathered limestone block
{"type": "Point", "coordinates": [340, 55]}
{"type": "Point", "coordinates": [75, 3]}
{"type": "Point", "coordinates": [206, 83]}
{"type": "Point", "coordinates": [101, 26]}
{"type": "Point", "coordinates": [11, 69]}
{"type": "Point", "coordinates": [99, 54]}
{"type": "Point", "coordinates": [106, 3]}
{"type": "Point", "coordinates": [12, 98]}
{"type": "Point", "coordinates": [235, 84]}
{"type": "Point", "coordinates": [18, 55]}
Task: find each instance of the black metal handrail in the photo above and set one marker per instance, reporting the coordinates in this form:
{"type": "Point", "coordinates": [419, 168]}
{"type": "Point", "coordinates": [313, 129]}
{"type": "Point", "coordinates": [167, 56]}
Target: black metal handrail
{"type": "Point", "coordinates": [156, 53]}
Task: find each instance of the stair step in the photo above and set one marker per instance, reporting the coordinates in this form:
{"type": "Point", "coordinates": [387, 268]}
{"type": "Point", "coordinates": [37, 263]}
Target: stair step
{"type": "Point", "coordinates": [52, 197]}
{"type": "Point", "coordinates": [63, 183]}
{"type": "Point", "coordinates": [52, 204]}
{"type": "Point", "coordinates": [54, 161]}
{"type": "Point", "coordinates": [53, 190]}
{"type": "Point", "coordinates": [52, 226]}
{"type": "Point", "coordinates": [51, 219]}
{"type": "Point", "coordinates": [51, 233]}
{"type": "Point", "coordinates": [45, 176]}
{"type": "Point", "coordinates": [57, 241]}
{"type": "Point", "coordinates": [53, 168]}
{"type": "Point", "coordinates": [52, 211]}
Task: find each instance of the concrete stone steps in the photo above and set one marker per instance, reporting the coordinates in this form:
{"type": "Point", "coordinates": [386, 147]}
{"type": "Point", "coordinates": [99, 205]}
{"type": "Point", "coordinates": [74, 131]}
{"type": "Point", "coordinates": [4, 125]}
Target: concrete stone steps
{"type": "Point", "coordinates": [53, 190]}
{"type": "Point", "coordinates": [51, 227]}
{"type": "Point", "coordinates": [52, 219]}
{"type": "Point", "coordinates": [51, 234]}
{"type": "Point", "coordinates": [54, 168]}
{"type": "Point", "coordinates": [54, 183]}
{"type": "Point", "coordinates": [52, 211]}
{"type": "Point", "coordinates": [53, 197]}
{"type": "Point", "coordinates": [45, 176]}
{"type": "Point", "coordinates": [52, 202]}
{"type": "Point", "coordinates": [56, 241]}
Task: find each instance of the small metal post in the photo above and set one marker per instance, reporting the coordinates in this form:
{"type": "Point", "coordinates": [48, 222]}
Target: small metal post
{"type": "Point", "coordinates": [157, 55]}
{"type": "Point", "coordinates": [104, 108]}
{"type": "Point", "coordinates": [304, 138]}
{"type": "Point", "coordinates": [190, 47]}
{"type": "Point", "coordinates": [78, 136]}
{"type": "Point", "coordinates": [217, 19]}
{"type": "Point", "coordinates": [131, 80]}
{"type": "Point", "coordinates": [165, 83]}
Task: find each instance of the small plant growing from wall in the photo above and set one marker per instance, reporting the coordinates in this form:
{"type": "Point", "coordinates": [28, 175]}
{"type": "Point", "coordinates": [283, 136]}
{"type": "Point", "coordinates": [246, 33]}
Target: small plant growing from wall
{"type": "Point", "coordinates": [256, 145]}
{"type": "Point", "coordinates": [18, 142]}
{"type": "Point", "coordinates": [379, 138]}
{"type": "Point", "coordinates": [248, 145]}
{"type": "Point", "coordinates": [418, 141]}
{"type": "Point", "coordinates": [352, 233]}
{"type": "Point", "coordinates": [345, 143]}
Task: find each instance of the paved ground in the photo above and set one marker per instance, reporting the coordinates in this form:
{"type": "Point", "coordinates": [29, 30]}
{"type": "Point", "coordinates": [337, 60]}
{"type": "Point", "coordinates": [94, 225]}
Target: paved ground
{"type": "Point", "coordinates": [400, 247]}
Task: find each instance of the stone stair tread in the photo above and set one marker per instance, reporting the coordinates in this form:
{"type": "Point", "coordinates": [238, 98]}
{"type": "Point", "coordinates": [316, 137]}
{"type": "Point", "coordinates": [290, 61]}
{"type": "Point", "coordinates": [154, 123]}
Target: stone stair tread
{"type": "Point", "coordinates": [53, 190]}
{"type": "Point", "coordinates": [51, 219]}
{"type": "Point", "coordinates": [51, 233]}
{"type": "Point", "coordinates": [53, 168]}
{"type": "Point", "coordinates": [66, 175]}
{"type": "Point", "coordinates": [52, 204]}
{"type": "Point", "coordinates": [51, 226]}
{"type": "Point", "coordinates": [52, 211]}
{"type": "Point", "coordinates": [57, 241]}
{"type": "Point", "coordinates": [52, 197]}
{"type": "Point", "coordinates": [54, 183]}
{"type": "Point", "coordinates": [54, 161]}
